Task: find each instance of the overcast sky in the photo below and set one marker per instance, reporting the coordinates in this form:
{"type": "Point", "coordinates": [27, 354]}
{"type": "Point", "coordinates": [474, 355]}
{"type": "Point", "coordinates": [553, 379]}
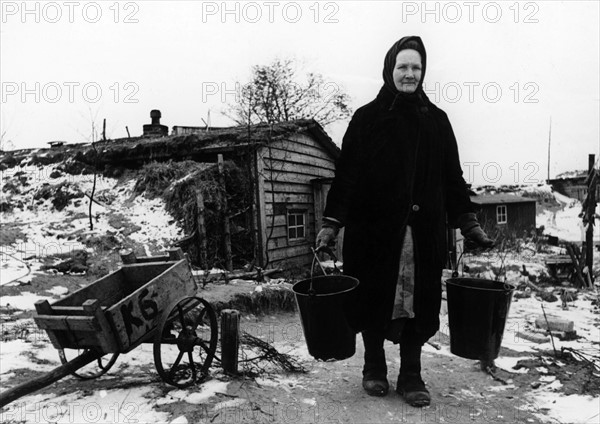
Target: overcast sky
{"type": "Point", "coordinates": [499, 69]}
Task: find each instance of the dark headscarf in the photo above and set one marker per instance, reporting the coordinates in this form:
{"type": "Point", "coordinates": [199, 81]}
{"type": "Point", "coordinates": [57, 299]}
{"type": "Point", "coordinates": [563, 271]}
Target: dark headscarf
{"type": "Point", "coordinates": [411, 42]}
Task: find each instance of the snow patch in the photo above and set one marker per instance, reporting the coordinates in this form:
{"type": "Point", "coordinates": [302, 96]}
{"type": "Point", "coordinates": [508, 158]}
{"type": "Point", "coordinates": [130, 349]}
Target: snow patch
{"type": "Point", "coordinates": [24, 302]}
{"type": "Point", "coordinates": [58, 290]}
{"type": "Point", "coordinates": [208, 390]}
{"type": "Point", "coordinates": [116, 406]}
{"type": "Point", "coordinates": [567, 409]}
{"type": "Point", "coordinates": [233, 403]}
{"type": "Point", "coordinates": [16, 354]}
{"type": "Point", "coordinates": [508, 363]}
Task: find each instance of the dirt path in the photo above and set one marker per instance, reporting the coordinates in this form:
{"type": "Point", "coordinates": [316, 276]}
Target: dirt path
{"type": "Point", "coordinates": [331, 392]}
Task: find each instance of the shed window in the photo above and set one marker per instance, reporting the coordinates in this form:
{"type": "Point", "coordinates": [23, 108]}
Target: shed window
{"type": "Point", "coordinates": [501, 216]}
{"type": "Point", "coordinates": [296, 225]}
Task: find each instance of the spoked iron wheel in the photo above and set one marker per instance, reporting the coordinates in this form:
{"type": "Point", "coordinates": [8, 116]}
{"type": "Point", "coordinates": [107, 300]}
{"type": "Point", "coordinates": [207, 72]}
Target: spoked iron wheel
{"type": "Point", "coordinates": [186, 341]}
{"type": "Point", "coordinates": [92, 370]}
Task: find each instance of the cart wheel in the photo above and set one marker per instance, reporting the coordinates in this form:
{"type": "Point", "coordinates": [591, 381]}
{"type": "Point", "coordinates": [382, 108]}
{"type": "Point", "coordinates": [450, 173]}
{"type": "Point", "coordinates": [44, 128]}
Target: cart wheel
{"type": "Point", "coordinates": [186, 341]}
{"type": "Point", "coordinates": [90, 371]}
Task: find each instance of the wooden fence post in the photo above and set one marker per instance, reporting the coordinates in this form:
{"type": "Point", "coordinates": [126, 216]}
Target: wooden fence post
{"type": "Point", "coordinates": [225, 212]}
{"type": "Point", "coordinates": [203, 249]}
{"type": "Point", "coordinates": [230, 339]}
{"type": "Point", "coordinates": [127, 256]}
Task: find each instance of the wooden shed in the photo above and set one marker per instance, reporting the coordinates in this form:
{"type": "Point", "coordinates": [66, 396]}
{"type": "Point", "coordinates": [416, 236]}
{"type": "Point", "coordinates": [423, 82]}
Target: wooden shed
{"type": "Point", "coordinates": [292, 165]}
{"type": "Point", "coordinates": [505, 213]}
{"type": "Point", "coordinates": [294, 173]}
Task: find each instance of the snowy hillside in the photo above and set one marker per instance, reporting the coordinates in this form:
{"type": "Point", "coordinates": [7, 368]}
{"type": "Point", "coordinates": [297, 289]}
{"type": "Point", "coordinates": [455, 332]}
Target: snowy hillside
{"type": "Point", "coordinates": [45, 220]}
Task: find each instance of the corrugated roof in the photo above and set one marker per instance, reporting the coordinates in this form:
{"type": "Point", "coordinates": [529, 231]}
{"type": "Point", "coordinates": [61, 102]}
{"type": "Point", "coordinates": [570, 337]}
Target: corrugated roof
{"type": "Point", "coordinates": [487, 199]}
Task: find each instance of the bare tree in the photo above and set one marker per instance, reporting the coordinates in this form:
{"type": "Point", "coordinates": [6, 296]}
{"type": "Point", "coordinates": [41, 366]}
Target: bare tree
{"type": "Point", "coordinates": [5, 142]}
{"type": "Point", "coordinates": [276, 94]}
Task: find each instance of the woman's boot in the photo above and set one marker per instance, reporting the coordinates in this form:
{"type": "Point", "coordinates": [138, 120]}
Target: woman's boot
{"type": "Point", "coordinates": [375, 370]}
{"type": "Point", "coordinates": [410, 384]}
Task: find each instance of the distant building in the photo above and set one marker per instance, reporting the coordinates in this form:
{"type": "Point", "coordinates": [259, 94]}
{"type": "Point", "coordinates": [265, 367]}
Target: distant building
{"type": "Point", "coordinates": [181, 130]}
{"type": "Point", "coordinates": [574, 187]}
{"type": "Point", "coordinates": [505, 213]}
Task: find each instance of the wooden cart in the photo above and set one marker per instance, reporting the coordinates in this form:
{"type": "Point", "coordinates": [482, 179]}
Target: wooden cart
{"type": "Point", "coordinates": [148, 300]}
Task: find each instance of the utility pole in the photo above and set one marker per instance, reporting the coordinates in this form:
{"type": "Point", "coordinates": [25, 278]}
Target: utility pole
{"type": "Point", "coordinates": [549, 141]}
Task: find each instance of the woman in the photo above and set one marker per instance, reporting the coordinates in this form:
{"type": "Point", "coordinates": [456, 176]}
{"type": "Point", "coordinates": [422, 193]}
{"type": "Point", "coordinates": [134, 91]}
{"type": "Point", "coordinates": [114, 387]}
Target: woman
{"type": "Point", "coordinates": [398, 182]}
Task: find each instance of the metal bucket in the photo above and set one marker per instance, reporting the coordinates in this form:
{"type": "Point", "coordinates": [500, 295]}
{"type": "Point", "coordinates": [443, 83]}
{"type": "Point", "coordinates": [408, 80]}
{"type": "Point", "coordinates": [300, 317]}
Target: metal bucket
{"type": "Point", "coordinates": [477, 313]}
{"type": "Point", "coordinates": [323, 303]}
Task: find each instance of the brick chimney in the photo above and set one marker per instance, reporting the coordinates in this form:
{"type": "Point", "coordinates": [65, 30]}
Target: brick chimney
{"type": "Point", "coordinates": [155, 129]}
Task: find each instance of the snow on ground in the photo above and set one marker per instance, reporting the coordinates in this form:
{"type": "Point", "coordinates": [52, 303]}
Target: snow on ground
{"type": "Point", "coordinates": [46, 232]}
{"type": "Point", "coordinates": [207, 390]}
{"type": "Point", "coordinates": [45, 228]}
{"type": "Point", "coordinates": [12, 269]}
{"type": "Point", "coordinates": [134, 405]}
{"type": "Point", "coordinates": [24, 302]}
{"type": "Point", "coordinates": [522, 315]}
{"type": "Point", "coordinates": [567, 409]}
{"type": "Point", "coordinates": [17, 354]}
{"type": "Point", "coordinates": [550, 403]}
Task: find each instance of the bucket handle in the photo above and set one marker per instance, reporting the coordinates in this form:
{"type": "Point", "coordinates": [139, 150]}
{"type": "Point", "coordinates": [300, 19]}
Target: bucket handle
{"type": "Point", "coordinates": [460, 258]}
{"type": "Point", "coordinates": [455, 270]}
{"type": "Point", "coordinates": [325, 249]}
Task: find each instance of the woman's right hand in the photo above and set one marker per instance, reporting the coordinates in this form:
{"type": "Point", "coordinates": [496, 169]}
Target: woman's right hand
{"type": "Point", "coordinates": [327, 236]}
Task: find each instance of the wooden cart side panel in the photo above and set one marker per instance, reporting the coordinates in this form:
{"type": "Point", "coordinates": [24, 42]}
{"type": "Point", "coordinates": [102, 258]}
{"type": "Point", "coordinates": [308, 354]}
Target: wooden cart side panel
{"type": "Point", "coordinates": [58, 339]}
{"type": "Point", "coordinates": [66, 323]}
{"type": "Point", "coordinates": [108, 290]}
{"type": "Point", "coordinates": [139, 313]}
{"type": "Point", "coordinates": [139, 274]}
{"type": "Point", "coordinates": [91, 330]}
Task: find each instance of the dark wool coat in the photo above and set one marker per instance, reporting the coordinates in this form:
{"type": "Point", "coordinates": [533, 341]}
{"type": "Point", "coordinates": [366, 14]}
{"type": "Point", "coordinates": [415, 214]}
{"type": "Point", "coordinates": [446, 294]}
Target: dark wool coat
{"type": "Point", "coordinates": [399, 165]}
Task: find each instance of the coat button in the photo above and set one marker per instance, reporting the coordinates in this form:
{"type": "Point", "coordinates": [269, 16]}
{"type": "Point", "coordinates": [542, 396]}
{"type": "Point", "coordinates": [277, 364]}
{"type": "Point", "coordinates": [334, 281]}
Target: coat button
{"type": "Point", "coordinates": [416, 208]}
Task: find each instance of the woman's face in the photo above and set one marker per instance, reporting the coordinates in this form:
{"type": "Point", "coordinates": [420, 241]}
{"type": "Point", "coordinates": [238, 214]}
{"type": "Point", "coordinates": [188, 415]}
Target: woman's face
{"type": "Point", "coordinates": [407, 72]}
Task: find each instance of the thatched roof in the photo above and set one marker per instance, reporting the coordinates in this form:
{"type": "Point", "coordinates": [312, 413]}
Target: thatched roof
{"type": "Point", "coordinates": [138, 150]}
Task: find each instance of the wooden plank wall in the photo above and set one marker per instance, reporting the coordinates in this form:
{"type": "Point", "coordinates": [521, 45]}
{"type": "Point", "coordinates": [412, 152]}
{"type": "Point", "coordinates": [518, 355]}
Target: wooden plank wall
{"type": "Point", "coordinates": [288, 166]}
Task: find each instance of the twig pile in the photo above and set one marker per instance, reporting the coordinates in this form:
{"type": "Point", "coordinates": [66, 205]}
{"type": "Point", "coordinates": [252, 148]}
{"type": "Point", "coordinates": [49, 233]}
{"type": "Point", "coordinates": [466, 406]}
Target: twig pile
{"type": "Point", "coordinates": [267, 355]}
{"type": "Point", "coordinates": [581, 356]}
